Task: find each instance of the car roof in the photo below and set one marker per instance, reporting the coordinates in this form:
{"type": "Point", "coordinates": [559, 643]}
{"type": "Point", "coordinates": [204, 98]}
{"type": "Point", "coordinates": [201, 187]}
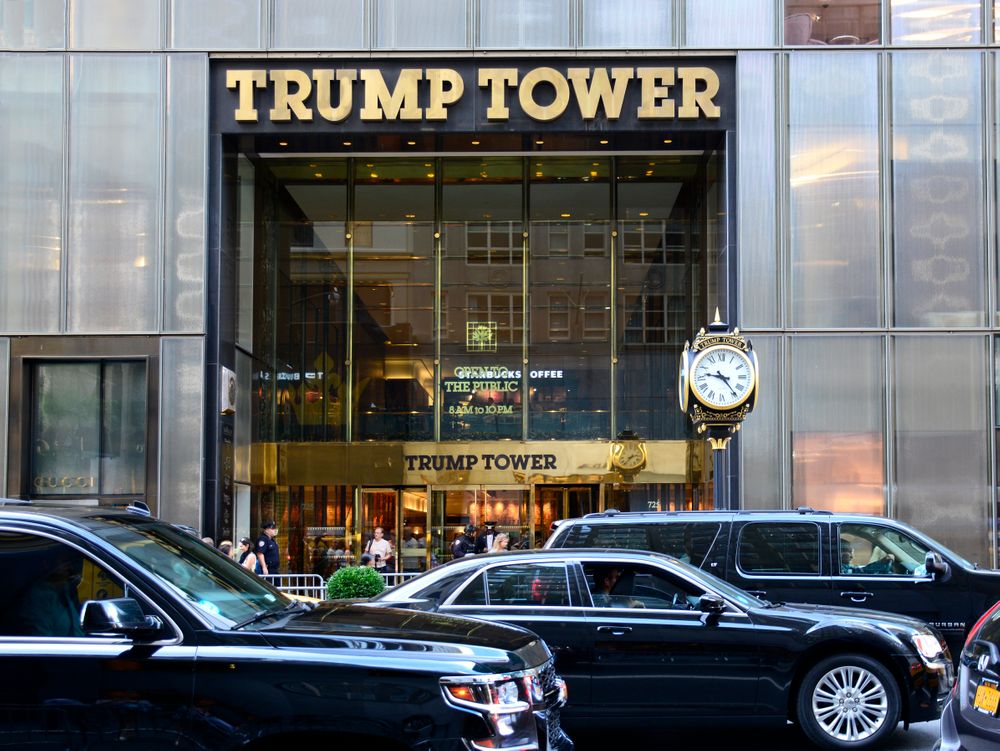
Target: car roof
{"type": "Point", "coordinates": [616, 516]}
{"type": "Point", "coordinates": [88, 517]}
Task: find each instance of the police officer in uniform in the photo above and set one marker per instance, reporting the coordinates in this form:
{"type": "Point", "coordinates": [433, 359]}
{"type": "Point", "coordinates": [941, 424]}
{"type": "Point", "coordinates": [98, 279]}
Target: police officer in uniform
{"type": "Point", "coordinates": [267, 549]}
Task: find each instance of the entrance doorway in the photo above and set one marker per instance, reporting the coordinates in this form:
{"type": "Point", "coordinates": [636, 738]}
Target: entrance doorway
{"type": "Point", "coordinates": [402, 515]}
{"type": "Point", "coordinates": [452, 508]}
{"type": "Point", "coordinates": [554, 502]}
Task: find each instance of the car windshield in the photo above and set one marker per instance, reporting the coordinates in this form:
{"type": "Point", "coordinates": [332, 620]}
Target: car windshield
{"type": "Point", "coordinates": [724, 588]}
{"type": "Point", "coordinates": [223, 590]}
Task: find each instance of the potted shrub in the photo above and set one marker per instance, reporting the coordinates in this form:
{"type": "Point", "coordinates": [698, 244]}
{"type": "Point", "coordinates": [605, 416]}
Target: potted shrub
{"type": "Point", "coordinates": [353, 582]}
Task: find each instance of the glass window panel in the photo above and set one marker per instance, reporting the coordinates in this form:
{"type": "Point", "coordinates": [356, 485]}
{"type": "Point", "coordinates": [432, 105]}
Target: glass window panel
{"type": "Point", "coordinates": [4, 397]}
{"type": "Point", "coordinates": [319, 24]}
{"type": "Point", "coordinates": [524, 23]}
{"type": "Point", "coordinates": [31, 193]}
{"type": "Point", "coordinates": [66, 429]}
{"type": "Point", "coordinates": [729, 23]}
{"type": "Point", "coordinates": [184, 253]}
{"type": "Point", "coordinates": [942, 438]}
{"type": "Point", "coordinates": [757, 191]}
{"type": "Point", "coordinates": [215, 24]}
{"type": "Point", "coordinates": [123, 428]}
{"type": "Point", "coordinates": [432, 23]}
{"type": "Point", "coordinates": [244, 241]}
{"type": "Point", "coordinates": [838, 423]}
{"type": "Point", "coordinates": [310, 323]}
{"type": "Point", "coordinates": [115, 24]}
{"type": "Point", "coordinates": [627, 23]}
{"type": "Point", "coordinates": [935, 22]}
{"type": "Point", "coordinates": [394, 299]}
{"type": "Point", "coordinates": [784, 549]}
{"type": "Point", "coordinates": [182, 383]}
{"type": "Point", "coordinates": [760, 438]}
{"type": "Point", "coordinates": [938, 184]}
{"type": "Point", "coordinates": [836, 274]}
{"type": "Point", "coordinates": [822, 22]}
{"type": "Point", "coordinates": [33, 24]}
{"type": "Point", "coordinates": [114, 192]}
{"type": "Point", "coordinates": [660, 259]}
{"type": "Point", "coordinates": [482, 322]}
{"type": "Point", "coordinates": [569, 385]}
{"type": "Point", "coordinates": [243, 427]}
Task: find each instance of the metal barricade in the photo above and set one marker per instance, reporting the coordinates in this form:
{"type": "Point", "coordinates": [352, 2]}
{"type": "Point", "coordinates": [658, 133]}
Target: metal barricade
{"type": "Point", "coordinates": [392, 578]}
{"type": "Point", "coordinates": [304, 585]}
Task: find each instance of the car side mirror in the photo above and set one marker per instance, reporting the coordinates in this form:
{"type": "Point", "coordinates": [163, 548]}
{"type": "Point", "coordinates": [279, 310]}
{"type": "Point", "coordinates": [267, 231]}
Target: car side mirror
{"type": "Point", "coordinates": [121, 617]}
{"type": "Point", "coordinates": [711, 604]}
{"type": "Point", "coordinates": [936, 566]}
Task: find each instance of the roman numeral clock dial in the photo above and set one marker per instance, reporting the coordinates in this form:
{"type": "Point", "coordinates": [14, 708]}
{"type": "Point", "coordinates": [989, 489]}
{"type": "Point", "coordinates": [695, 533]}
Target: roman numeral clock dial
{"type": "Point", "coordinates": [722, 377]}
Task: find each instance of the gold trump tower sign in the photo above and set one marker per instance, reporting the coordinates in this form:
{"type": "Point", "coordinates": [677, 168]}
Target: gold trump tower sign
{"type": "Point", "coordinates": [464, 95]}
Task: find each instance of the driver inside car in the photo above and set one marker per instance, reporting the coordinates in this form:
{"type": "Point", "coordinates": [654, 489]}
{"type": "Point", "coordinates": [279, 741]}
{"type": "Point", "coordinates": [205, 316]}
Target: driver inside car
{"type": "Point", "coordinates": [883, 565]}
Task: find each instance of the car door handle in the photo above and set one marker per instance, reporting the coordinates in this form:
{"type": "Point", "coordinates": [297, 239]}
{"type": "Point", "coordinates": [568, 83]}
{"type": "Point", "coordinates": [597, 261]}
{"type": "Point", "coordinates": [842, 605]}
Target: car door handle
{"type": "Point", "coordinates": [614, 630]}
{"type": "Point", "coordinates": [857, 596]}
{"type": "Point", "coordinates": [757, 592]}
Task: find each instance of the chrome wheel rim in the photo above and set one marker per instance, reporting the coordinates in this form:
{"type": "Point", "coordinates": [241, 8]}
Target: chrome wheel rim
{"type": "Point", "coordinates": [850, 703]}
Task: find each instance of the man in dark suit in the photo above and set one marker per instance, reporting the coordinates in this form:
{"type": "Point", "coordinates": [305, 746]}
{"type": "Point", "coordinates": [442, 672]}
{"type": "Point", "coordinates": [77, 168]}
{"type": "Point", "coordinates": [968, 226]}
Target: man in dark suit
{"type": "Point", "coordinates": [484, 540]}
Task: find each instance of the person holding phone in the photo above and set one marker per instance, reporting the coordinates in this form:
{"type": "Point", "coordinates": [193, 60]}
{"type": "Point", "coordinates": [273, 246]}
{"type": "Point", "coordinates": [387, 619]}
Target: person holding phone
{"type": "Point", "coordinates": [380, 549]}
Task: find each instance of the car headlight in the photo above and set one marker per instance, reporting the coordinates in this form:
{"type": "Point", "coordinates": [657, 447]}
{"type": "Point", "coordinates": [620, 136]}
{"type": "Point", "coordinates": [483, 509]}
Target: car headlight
{"type": "Point", "coordinates": [504, 701]}
{"type": "Point", "coordinates": [928, 646]}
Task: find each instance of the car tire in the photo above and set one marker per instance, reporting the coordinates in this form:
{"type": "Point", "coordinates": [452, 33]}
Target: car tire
{"type": "Point", "coordinates": [848, 702]}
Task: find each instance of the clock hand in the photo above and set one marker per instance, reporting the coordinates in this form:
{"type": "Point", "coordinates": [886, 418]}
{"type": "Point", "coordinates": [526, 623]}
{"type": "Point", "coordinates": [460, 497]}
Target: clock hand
{"type": "Point", "coordinates": [725, 379]}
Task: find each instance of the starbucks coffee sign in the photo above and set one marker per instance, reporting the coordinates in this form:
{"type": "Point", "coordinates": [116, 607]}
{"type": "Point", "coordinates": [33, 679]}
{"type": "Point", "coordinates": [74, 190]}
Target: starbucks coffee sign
{"type": "Point", "coordinates": [466, 95]}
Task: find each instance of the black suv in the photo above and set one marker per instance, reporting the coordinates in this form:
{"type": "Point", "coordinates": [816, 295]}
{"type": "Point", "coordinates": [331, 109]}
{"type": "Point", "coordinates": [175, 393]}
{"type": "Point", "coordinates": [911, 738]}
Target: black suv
{"type": "Point", "coordinates": [808, 556]}
{"type": "Point", "coordinates": [118, 629]}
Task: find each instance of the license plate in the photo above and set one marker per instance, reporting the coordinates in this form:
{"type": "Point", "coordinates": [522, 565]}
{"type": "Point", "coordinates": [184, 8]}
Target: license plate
{"type": "Point", "coordinates": [987, 698]}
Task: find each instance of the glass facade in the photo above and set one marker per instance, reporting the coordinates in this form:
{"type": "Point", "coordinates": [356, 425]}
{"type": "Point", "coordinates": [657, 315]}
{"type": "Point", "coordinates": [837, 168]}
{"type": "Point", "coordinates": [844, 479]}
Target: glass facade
{"type": "Point", "coordinates": [415, 295]}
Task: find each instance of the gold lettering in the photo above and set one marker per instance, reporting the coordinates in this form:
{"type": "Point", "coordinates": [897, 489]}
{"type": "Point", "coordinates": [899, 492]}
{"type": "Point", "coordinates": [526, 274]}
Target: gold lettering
{"type": "Point", "coordinates": [692, 100]}
{"type": "Point", "coordinates": [498, 79]}
{"type": "Point", "coordinates": [656, 83]}
{"type": "Point", "coordinates": [527, 91]}
{"type": "Point", "coordinates": [285, 103]}
{"type": "Point", "coordinates": [245, 81]}
{"type": "Point", "coordinates": [441, 97]}
{"type": "Point", "coordinates": [401, 104]}
{"type": "Point", "coordinates": [324, 93]}
{"type": "Point", "coordinates": [600, 91]}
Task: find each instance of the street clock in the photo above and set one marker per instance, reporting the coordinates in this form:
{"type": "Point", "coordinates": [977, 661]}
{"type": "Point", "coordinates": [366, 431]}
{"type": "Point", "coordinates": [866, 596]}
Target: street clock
{"type": "Point", "coordinates": [718, 381]}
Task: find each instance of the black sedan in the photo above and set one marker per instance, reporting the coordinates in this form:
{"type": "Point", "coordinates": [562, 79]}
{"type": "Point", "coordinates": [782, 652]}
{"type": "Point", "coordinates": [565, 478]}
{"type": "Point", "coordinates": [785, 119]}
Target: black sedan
{"type": "Point", "coordinates": [642, 637]}
{"type": "Point", "coordinates": [970, 719]}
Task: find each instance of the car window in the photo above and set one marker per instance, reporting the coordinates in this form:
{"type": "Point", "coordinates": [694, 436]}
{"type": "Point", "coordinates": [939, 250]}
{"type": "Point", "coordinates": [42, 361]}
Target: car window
{"type": "Point", "coordinates": [630, 536]}
{"type": "Point", "coordinates": [990, 630]}
{"type": "Point", "coordinates": [45, 584]}
{"type": "Point", "coordinates": [529, 584]}
{"type": "Point", "coordinates": [788, 548]}
{"type": "Point", "coordinates": [623, 585]}
{"type": "Point", "coordinates": [688, 541]}
{"type": "Point", "coordinates": [222, 589]}
{"type": "Point", "coordinates": [875, 550]}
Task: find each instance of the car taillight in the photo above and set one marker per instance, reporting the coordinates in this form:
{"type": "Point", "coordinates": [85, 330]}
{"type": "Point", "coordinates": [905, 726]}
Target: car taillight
{"type": "Point", "coordinates": [975, 629]}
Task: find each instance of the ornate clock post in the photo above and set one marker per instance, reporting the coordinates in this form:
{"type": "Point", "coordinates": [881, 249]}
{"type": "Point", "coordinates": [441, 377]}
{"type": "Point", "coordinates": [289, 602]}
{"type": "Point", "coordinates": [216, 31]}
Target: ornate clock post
{"type": "Point", "coordinates": [718, 382]}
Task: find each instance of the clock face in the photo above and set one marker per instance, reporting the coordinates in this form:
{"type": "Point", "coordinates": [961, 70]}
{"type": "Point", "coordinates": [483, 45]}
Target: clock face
{"type": "Point", "coordinates": [629, 456]}
{"type": "Point", "coordinates": [722, 377]}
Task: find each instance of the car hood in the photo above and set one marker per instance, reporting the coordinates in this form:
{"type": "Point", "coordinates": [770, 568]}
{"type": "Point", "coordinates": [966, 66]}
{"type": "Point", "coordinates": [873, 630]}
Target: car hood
{"type": "Point", "coordinates": [411, 634]}
{"type": "Point", "coordinates": [829, 614]}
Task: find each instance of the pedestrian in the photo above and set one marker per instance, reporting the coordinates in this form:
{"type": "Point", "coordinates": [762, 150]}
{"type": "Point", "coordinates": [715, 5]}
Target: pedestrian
{"type": "Point", "coordinates": [380, 549]}
{"type": "Point", "coordinates": [464, 544]}
{"type": "Point", "coordinates": [367, 561]}
{"type": "Point", "coordinates": [208, 541]}
{"type": "Point", "coordinates": [501, 543]}
{"type": "Point", "coordinates": [247, 558]}
{"type": "Point", "coordinates": [484, 541]}
{"type": "Point", "coordinates": [267, 548]}
{"type": "Point", "coordinates": [226, 548]}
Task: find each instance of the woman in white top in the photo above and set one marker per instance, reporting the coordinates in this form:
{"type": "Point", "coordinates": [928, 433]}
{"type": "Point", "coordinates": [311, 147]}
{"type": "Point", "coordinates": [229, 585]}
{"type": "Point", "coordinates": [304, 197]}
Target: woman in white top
{"type": "Point", "coordinates": [501, 543]}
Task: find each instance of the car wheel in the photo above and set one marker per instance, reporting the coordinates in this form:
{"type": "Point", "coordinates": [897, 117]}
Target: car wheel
{"type": "Point", "coordinates": [848, 701]}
